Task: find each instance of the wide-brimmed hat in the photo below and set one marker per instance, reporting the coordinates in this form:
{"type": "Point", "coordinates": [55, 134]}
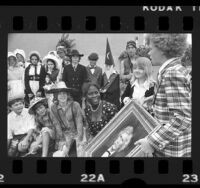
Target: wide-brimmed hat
{"type": "Point", "coordinates": [52, 57]}
{"type": "Point", "coordinates": [59, 87]}
{"type": "Point", "coordinates": [21, 52]}
{"type": "Point", "coordinates": [75, 53]}
{"type": "Point", "coordinates": [93, 57]}
{"type": "Point", "coordinates": [35, 101]}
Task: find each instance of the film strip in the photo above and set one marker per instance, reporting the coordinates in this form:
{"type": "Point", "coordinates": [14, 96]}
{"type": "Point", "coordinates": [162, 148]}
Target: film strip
{"type": "Point", "coordinates": [103, 21]}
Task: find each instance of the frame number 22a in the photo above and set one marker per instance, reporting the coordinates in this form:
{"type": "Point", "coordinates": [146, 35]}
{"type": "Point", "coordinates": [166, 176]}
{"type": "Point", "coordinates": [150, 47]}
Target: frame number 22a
{"type": "Point", "coordinates": [92, 178]}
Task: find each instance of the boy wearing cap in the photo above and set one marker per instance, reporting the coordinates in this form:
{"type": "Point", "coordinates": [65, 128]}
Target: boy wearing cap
{"type": "Point", "coordinates": [20, 126]}
{"type": "Point", "coordinates": [94, 72]}
{"type": "Point", "coordinates": [126, 66]}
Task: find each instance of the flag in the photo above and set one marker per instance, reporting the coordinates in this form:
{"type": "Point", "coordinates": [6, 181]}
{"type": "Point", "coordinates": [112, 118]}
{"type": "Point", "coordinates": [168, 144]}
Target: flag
{"type": "Point", "coordinates": [109, 58]}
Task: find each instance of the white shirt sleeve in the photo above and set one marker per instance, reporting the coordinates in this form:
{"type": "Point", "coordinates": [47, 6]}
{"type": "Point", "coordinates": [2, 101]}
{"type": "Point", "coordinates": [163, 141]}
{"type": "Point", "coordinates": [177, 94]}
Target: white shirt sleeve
{"type": "Point", "coordinates": [31, 122]}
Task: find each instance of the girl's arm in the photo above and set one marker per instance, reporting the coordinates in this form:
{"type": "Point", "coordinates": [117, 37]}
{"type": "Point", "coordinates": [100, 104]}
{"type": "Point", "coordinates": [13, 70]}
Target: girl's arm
{"type": "Point", "coordinates": [79, 120]}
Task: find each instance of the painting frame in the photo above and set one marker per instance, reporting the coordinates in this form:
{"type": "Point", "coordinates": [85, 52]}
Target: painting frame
{"type": "Point", "coordinates": [129, 113]}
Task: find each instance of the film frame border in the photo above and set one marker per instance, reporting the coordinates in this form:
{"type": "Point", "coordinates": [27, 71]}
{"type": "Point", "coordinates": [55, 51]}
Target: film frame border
{"type": "Point", "coordinates": [16, 25]}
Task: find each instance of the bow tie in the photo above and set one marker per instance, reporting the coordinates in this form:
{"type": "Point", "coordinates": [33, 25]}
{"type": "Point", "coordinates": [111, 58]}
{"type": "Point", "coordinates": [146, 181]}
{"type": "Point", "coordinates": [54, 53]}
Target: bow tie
{"type": "Point", "coordinates": [92, 67]}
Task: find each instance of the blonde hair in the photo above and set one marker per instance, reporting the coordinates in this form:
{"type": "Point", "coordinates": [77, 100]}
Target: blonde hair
{"type": "Point", "coordinates": [146, 64]}
{"type": "Point", "coordinates": [129, 131]}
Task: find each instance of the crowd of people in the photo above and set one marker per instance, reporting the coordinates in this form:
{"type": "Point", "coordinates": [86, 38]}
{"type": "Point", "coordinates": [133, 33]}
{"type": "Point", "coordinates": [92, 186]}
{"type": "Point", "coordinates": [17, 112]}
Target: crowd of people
{"type": "Point", "coordinates": [56, 105]}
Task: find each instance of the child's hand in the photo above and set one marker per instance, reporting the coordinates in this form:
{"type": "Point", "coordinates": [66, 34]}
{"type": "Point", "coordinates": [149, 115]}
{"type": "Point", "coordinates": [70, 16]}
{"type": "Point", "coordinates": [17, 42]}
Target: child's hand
{"type": "Point", "coordinates": [126, 100]}
{"type": "Point", "coordinates": [23, 145]}
{"type": "Point", "coordinates": [38, 94]}
{"type": "Point", "coordinates": [30, 95]}
{"type": "Point", "coordinates": [148, 101]}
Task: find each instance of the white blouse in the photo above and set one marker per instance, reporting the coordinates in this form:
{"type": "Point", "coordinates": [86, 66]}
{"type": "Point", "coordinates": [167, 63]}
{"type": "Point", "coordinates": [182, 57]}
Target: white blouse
{"type": "Point", "coordinates": [139, 89]}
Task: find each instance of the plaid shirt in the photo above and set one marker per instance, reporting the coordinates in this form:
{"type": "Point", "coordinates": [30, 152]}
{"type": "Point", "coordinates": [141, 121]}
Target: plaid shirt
{"type": "Point", "coordinates": [172, 108]}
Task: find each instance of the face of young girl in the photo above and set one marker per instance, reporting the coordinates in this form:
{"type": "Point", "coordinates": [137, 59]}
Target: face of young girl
{"type": "Point", "coordinates": [41, 110]}
{"type": "Point", "coordinates": [12, 61]}
{"type": "Point", "coordinates": [138, 71]}
{"type": "Point", "coordinates": [62, 96]}
{"type": "Point", "coordinates": [50, 65]}
{"type": "Point", "coordinates": [34, 60]}
{"type": "Point", "coordinates": [93, 95]}
{"type": "Point", "coordinates": [20, 58]}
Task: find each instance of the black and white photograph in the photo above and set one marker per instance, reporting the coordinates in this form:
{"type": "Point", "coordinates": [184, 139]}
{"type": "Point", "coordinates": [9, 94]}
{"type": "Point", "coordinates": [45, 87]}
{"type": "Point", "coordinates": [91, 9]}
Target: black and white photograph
{"type": "Point", "coordinates": [99, 95]}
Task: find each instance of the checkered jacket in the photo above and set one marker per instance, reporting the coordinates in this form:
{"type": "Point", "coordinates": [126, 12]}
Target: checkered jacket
{"type": "Point", "coordinates": [172, 109]}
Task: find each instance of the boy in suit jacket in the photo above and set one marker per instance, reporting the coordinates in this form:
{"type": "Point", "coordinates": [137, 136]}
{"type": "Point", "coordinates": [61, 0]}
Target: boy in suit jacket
{"type": "Point", "coordinates": [94, 72]}
{"type": "Point", "coordinates": [74, 75]}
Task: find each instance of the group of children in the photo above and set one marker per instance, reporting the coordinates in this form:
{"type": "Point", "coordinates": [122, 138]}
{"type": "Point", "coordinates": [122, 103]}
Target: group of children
{"type": "Point", "coordinates": [33, 129]}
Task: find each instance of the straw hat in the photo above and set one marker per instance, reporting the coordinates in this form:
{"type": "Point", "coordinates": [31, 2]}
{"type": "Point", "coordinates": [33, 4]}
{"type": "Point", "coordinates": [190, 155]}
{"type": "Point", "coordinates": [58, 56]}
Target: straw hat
{"type": "Point", "coordinates": [60, 86]}
{"type": "Point", "coordinates": [35, 101]}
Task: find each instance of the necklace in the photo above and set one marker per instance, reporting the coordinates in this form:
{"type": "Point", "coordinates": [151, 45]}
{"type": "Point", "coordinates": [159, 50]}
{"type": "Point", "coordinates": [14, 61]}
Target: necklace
{"type": "Point", "coordinates": [96, 108]}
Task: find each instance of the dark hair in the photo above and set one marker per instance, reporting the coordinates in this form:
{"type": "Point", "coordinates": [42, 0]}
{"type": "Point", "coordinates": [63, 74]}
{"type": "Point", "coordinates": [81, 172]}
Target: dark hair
{"type": "Point", "coordinates": [14, 101]}
{"type": "Point", "coordinates": [86, 87]}
{"type": "Point", "coordinates": [36, 55]}
{"type": "Point", "coordinates": [51, 60]}
{"type": "Point", "coordinates": [55, 97]}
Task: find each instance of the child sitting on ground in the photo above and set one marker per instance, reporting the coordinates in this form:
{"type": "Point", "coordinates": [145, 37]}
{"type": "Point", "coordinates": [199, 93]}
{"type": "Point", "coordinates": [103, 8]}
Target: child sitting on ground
{"type": "Point", "coordinates": [21, 125]}
{"type": "Point", "coordinates": [44, 126]}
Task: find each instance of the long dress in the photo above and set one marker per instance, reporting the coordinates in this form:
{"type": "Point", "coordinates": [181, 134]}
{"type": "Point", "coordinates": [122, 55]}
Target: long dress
{"type": "Point", "coordinates": [15, 79]}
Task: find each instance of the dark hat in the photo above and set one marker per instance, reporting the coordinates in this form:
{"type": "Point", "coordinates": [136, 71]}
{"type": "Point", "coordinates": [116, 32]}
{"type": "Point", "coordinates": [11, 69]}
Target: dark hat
{"type": "Point", "coordinates": [75, 53]}
{"type": "Point", "coordinates": [59, 87]}
{"type": "Point", "coordinates": [93, 57]}
{"type": "Point", "coordinates": [132, 43]}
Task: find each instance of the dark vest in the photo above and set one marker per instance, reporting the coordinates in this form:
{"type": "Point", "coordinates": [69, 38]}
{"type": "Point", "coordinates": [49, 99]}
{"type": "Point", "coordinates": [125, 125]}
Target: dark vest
{"type": "Point", "coordinates": [128, 66]}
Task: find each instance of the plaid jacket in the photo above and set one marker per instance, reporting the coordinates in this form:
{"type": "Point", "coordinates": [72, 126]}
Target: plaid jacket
{"type": "Point", "coordinates": [172, 108]}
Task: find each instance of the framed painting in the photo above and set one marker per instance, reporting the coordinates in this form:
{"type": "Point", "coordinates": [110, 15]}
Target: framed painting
{"type": "Point", "coordinates": [118, 137]}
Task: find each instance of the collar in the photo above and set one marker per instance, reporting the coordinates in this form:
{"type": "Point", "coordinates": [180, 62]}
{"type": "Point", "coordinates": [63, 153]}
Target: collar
{"type": "Point", "coordinates": [74, 65]}
{"type": "Point", "coordinates": [92, 67]}
{"type": "Point", "coordinates": [60, 107]}
{"type": "Point", "coordinates": [145, 84]}
{"type": "Point", "coordinates": [165, 64]}
{"type": "Point", "coordinates": [21, 115]}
